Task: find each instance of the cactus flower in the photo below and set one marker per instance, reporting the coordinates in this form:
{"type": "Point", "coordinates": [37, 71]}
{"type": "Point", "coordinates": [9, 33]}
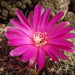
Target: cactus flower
{"type": "Point", "coordinates": [36, 37]}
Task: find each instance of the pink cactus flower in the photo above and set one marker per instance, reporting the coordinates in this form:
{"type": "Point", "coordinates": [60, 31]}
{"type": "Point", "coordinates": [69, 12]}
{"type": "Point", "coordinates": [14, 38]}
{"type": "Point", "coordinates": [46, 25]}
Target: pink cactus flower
{"type": "Point", "coordinates": [36, 37]}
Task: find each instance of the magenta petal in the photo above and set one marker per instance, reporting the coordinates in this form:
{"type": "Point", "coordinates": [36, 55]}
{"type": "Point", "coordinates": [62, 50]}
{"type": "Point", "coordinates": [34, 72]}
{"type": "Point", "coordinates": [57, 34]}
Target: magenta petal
{"type": "Point", "coordinates": [60, 31]}
{"type": "Point", "coordinates": [60, 25]}
{"type": "Point", "coordinates": [55, 19]}
{"type": "Point", "coordinates": [15, 30]}
{"type": "Point", "coordinates": [30, 18]}
{"type": "Point", "coordinates": [58, 53]}
{"type": "Point", "coordinates": [14, 33]}
{"type": "Point", "coordinates": [53, 56]}
{"type": "Point", "coordinates": [17, 42]}
{"type": "Point", "coordinates": [61, 42]}
{"type": "Point", "coordinates": [22, 17]}
{"type": "Point", "coordinates": [33, 60]}
{"type": "Point", "coordinates": [23, 28]}
{"type": "Point", "coordinates": [67, 36]}
{"type": "Point", "coordinates": [45, 18]}
{"type": "Point", "coordinates": [29, 53]}
{"type": "Point", "coordinates": [19, 50]}
{"type": "Point", "coordinates": [47, 49]}
{"type": "Point", "coordinates": [41, 59]}
{"type": "Point", "coordinates": [38, 11]}
{"type": "Point", "coordinates": [19, 25]}
{"type": "Point", "coordinates": [65, 48]}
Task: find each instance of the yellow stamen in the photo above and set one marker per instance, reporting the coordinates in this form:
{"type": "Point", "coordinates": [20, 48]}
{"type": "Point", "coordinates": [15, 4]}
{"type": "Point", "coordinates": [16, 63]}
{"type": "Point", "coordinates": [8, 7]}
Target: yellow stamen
{"type": "Point", "coordinates": [40, 38]}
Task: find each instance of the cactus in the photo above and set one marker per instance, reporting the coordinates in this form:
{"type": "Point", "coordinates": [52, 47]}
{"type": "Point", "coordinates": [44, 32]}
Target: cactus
{"type": "Point", "coordinates": [13, 65]}
{"type": "Point", "coordinates": [56, 5]}
{"type": "Point", "coordinates": [7, 8]}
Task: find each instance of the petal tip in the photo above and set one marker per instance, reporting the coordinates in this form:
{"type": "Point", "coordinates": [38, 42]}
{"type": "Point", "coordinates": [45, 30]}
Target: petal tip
{"type": "Point", "coordinates": [74, 51]}
{"type": "Point", "coordinates": [12, 53]}
{"type": "Point", "coordinates": [17, 10]}
{"type": "Point", "coordinates": [66, 58]}
{"type": "Point", "coordinates": [68, 23]}
{"type": "Point", "coordinates": [11, 20]}
{"type": "Point", "coordinates": [62, 12]}
{"type": "Point", "coordinates": [23, 61]}
{"type": "Point", "coordinates": [49, 9]}
{"type": "Point", "coordinates": [5, 33]}
{"type": "Point", "coordinates": [39, 69]}
{"type": "Point", "coordinates": [38, 5]}
{"type": "Point", "coordinates": [8, 42]}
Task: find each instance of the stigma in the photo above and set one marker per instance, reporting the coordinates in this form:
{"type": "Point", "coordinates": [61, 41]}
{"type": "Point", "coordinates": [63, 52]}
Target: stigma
{"type": "Point", "coordinates": [40, 39]}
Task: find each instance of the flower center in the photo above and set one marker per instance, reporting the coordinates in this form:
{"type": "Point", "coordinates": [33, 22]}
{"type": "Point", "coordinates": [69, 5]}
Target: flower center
{"type": "Point", "coordinates": [40, 39]}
